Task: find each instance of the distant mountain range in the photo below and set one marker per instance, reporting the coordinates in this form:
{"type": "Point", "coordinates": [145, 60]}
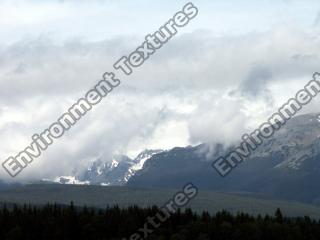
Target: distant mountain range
{"type": "Point", "coordinates": [116, 172]}
{"type": "Point", "coordinates": [286, 166]}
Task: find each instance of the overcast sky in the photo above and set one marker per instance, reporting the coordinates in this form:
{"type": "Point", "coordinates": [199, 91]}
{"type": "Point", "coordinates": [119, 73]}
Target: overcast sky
{"type": "Point", "coordinates": [221, 76]}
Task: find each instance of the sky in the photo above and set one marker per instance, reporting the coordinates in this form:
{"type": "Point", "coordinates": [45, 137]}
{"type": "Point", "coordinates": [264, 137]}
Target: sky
{"type": "Point", "coordinates": [221, 76]}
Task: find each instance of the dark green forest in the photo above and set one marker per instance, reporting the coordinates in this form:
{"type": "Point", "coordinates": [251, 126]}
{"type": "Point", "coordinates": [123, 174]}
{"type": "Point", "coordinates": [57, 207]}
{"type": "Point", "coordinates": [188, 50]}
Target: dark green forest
{"type": "Point", "coordinates": [68, 222]}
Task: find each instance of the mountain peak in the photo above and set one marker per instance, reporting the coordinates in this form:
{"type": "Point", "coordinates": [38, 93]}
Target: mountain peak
{"type": "Point", "coordinates": [115, 172]}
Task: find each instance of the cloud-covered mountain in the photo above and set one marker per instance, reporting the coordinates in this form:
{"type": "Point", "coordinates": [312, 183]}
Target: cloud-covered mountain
{"type": "Point", "coordinates": [285, 166]}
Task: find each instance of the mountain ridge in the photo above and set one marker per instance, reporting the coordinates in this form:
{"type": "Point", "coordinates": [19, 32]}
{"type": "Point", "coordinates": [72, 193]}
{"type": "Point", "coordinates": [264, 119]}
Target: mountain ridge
{"type": "Point", "coordinates": [286, 166]}
{"type": "Point", "coordinates": [116, 172]}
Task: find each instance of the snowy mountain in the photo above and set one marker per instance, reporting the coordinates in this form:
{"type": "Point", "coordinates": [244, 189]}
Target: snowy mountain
{"type": "Point", "coordinates": [116, 172]}
{"type": "Point", "coordinates": [286, 166]}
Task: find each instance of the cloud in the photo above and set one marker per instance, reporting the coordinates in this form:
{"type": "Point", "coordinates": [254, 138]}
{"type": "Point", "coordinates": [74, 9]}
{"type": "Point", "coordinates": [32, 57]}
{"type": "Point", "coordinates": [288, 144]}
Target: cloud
{"type": "Point", "coordinates": [255, 84]}
{"type": "Point", "coordinates": [316, 20]}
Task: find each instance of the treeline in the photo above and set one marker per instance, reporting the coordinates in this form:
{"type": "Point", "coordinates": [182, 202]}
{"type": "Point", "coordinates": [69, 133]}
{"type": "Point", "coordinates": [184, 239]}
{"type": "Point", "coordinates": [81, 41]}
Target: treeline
{"type": "Point", "coordinates": [60, 222]}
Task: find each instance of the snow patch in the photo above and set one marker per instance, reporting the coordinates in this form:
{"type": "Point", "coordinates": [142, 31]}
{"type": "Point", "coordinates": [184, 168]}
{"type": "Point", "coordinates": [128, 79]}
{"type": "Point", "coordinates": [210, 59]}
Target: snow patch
{"type": "Point", "coordinates": [70, 180]}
